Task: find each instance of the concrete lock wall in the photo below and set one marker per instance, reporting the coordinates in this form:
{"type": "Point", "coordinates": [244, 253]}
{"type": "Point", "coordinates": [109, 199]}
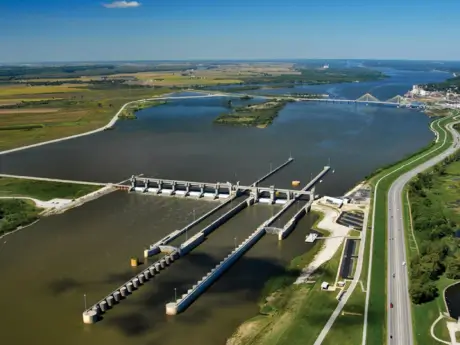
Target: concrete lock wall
{"type": "Point", "coordinates": [206, 281]}
{"type": "Point", "coordinates": [222, 219]}
{"type": "Point", "coordinates": [191, 243]}
{"type": "Point", "coordinates": [154, 248]}
{"type": "Point", "coordinates": [287, 229]}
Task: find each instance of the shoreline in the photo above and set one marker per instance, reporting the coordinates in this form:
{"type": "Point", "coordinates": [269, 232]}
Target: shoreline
{"type": "Point", "coordinates": [109, 125]}
{"type": "Point", "coordinates": [325, 223]}
{"type": "Point", "coordinates": [57, 206]}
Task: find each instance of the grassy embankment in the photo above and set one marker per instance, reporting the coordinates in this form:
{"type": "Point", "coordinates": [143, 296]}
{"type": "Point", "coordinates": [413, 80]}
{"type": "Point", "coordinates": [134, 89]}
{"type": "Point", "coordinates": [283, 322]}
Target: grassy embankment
{"type": "Point", "coordinates": [61, 110]}
{"type": "Point", "coordinates": [292, 314]}
{"type": "Point", "coordinates": [16, 212]}
{"type": "Point", "coordinates": [348, 328]}
{"type": "Point", "coordinates": [129, 113]}
{"type": "Point", "coordinates": [256, 115]}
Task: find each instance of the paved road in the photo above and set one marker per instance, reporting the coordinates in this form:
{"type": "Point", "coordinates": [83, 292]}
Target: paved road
{"type": "Point", "coordinates": [399, 319]}
{"type": "Point", "coordinates": [55, 180]}
{"type": "Point", "coordinates": [110, 124]}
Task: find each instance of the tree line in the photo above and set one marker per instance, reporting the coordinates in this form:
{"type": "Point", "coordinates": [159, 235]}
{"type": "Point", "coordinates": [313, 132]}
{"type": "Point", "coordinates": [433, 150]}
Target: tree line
{"type": "Point", "coordinates": [435, 231]}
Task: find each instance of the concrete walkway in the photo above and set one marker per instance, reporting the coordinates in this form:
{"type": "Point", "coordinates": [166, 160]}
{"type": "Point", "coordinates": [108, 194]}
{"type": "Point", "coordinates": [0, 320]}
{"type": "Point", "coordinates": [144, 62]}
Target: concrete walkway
{"type": "Point", "coordinates": [330, 247]}
{"type": "Point", "coordinates": [434, 336]}
{"type": "Point", "coordinates": [40, 203]}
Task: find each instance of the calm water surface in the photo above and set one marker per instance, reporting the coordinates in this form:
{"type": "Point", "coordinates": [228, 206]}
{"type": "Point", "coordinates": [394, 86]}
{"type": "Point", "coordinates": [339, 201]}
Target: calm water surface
{"type": "Point", "coordinates": [49, 266]}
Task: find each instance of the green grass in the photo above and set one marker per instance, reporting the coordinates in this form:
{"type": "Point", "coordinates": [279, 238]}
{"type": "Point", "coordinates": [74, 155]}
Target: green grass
{"type": "Point", "coordinates": [425, 314]}
{"type": "Point", "coordinates": [15, 213]}
{"type": "Point", "coordinates": [294, 314]}
{"type": "Point", "coordinates": [252, 117]}
{"type": "Point", "coordinates": [42, 190]}
{"type": "Point", "coordinates": [347, 329]}
{"type": "Point", "coordinates": [377, 303]}
{"type": "Point", "coordinates": [80, 110]}
{"type": "Point", "coordinates": [443, 193]}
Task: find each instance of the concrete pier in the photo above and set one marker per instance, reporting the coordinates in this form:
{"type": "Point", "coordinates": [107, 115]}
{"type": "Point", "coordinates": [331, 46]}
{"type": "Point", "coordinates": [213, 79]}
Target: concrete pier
{"type": "Point", "coordinates": [263, 178]}
{"type": "Point", "coordinates": [155, 248]}
{"type": "Point", "coordinates": [92, 314]}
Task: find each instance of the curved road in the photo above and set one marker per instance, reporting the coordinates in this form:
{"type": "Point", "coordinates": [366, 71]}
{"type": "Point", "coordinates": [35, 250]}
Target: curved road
{"type": "Point", "coordinates": [111, 122]}
{"type": "Point", "coordinates": [399, 319]}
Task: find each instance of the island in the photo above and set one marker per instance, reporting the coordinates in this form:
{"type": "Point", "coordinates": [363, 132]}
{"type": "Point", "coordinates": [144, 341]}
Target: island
{"type": "Point", "coordinates": [253, 115]}
{"type": "Point", "coordinates": [129, 113]}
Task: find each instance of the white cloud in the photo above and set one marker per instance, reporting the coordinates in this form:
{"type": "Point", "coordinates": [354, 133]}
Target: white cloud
{"type": "Point", "coordinates": [122, 4]}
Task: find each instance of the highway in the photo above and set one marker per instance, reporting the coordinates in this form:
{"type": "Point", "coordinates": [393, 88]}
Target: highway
{"type": "Point", "coordinates": [399, 319]}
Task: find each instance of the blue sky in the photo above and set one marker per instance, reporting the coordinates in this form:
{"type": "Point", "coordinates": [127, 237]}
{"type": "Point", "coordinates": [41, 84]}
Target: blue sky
{"type": "Point", "coordinates": [76, 30]}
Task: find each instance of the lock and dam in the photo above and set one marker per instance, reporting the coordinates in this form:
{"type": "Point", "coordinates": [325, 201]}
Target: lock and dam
{"type": "Point", "coordinates": [235, 198]}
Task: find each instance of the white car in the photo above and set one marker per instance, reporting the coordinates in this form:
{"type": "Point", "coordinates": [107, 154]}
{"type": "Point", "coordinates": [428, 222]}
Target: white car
{"type": "Point", "coordinates": [404, 263]}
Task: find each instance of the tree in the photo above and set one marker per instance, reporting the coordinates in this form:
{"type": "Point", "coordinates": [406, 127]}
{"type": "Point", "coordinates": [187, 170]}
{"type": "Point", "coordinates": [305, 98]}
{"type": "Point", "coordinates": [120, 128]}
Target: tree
{"type": "Point", "coordinates": [421, 292]}
{"type": "Point", "coordinates": [453, 267]}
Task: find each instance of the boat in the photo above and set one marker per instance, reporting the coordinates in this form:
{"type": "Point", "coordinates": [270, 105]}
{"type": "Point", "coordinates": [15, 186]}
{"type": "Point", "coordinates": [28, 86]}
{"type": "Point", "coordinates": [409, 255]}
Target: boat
{"type": "Point", "coordinates": [311, 238]}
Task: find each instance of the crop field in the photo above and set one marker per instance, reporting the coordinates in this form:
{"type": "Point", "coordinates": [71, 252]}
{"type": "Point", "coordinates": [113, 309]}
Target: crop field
{"type": "Point", "coordinates": [15, 90]}
{"type": "Point", "coordinates": [66, 111]}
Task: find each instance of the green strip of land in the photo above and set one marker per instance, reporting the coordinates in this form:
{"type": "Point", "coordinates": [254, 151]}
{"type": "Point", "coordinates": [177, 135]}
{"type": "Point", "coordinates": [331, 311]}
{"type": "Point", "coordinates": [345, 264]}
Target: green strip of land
{"type": "Point", "coordinates": [255, 115]}
{"type": "Point", "coordinates": [42, 190]}
{"type": "Point", "coordinates": [129, 112]}
{"type": "Point", "coordinates": [15, 212]}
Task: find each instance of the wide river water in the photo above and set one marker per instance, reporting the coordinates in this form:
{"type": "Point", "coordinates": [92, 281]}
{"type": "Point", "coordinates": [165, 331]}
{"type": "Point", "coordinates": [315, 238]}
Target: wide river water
{"type": "Point", "coordinates": [47, 268]}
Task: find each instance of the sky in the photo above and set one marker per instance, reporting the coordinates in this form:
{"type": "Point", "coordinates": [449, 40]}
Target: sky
{"type": "Point", "coordinates": [102, 30]}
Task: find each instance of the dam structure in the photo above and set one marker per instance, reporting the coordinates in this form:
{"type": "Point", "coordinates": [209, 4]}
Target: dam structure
{"type": "Point", "coordinates": [200, 287]}
{"type": "Point", "coordinates": [93, 313]}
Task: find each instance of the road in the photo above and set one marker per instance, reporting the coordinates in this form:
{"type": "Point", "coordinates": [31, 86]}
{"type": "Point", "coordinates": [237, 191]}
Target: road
{"type": "Point", "coordinates": [109, 125]}
{"type": "Point", "coordinates": [54, 180]}
{"type": "Point", "coordinates": [399, 319]}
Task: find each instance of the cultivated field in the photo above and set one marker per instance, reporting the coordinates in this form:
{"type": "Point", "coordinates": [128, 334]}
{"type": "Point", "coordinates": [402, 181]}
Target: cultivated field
{"type": "Point", "coordinates": [51, 112]}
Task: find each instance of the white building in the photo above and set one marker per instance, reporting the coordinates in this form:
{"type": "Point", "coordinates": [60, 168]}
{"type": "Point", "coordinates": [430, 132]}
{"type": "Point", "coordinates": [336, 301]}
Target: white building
{"type": "Point", "coordinates": [418, 91]}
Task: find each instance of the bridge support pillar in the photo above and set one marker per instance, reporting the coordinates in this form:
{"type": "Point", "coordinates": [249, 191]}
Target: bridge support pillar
{"type": "Point", "coordinates": [133, 183]}
{"type": "Point", "coordinates": [255, 194]}
{"type": "Point", "coordinates": [272, 194]}
{"type": "Point", "coordinates": [160, 186]}
{"type": "Point", "coordinates": [146, 185]}
{"type": "Point", "coordinates": [216, 193]}
{"type": "Point", "coordinates": [230, 189]}
{"type": "Point", "coordinates": [201, 190]}
{"type": "Point", "coordinates": [187, 189]}
{"type": "Point", "coordinates": [173, 187]}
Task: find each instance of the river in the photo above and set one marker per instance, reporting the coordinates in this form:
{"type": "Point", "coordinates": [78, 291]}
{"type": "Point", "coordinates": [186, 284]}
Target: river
{"type": "Point", "coordinates": [47, 268]}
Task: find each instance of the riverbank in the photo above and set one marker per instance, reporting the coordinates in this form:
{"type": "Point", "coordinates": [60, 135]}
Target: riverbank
{"type": "Point", "coordinates": [40, 114]}
{"type": "Point", "coordinates": [24, 201]}
{"type": "Point", "coordinates": [293, 302]}
{"type": "Point", "coordinates": [256, 115]}
{"type": "Point", "coordinates": [129, 112]}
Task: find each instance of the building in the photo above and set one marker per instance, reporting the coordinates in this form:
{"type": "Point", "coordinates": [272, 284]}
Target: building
{"type": "Point", "coordinates": [336, 201]}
